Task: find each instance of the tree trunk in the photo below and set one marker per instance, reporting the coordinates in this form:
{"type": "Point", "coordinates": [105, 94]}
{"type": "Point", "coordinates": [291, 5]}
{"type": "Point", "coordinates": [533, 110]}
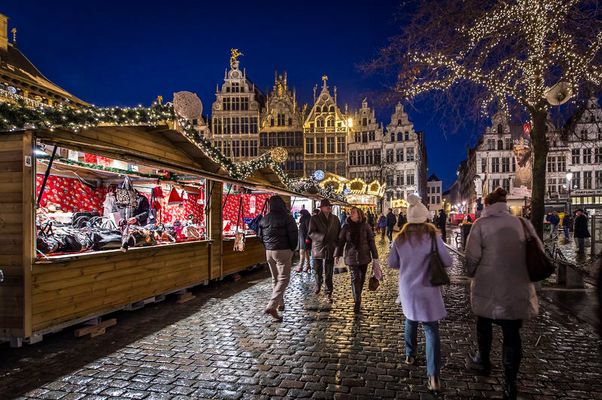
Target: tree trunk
{"type": "Point", "coordinates": [539, 142]}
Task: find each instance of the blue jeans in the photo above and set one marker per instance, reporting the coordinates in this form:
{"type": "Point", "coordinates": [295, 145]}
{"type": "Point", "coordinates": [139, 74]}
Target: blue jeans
{"type": "Point", "coordinates": [433, 344]}
{"type": "Point", "coordinates": [565, 228]}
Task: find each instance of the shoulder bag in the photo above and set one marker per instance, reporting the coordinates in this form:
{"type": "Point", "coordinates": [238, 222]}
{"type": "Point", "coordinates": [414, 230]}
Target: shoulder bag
{"type": "Point", "coordinates": [539, 265]}
{"type": "Point", "coordinates": [437, 274]}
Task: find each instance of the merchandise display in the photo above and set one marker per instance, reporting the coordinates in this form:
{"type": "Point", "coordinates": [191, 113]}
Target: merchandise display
{"type": "Point", "coordinates": [87, 209]}
{"type": "Point", "coordinates": [242, 205]}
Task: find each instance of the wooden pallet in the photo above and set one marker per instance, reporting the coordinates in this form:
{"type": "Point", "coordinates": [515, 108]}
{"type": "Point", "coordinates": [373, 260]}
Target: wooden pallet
{"type": "Point", "coordinates": [96, 330]}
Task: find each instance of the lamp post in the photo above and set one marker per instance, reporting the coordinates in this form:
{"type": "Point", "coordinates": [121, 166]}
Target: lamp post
{"type": "Point", "coordinates": [569, 184]}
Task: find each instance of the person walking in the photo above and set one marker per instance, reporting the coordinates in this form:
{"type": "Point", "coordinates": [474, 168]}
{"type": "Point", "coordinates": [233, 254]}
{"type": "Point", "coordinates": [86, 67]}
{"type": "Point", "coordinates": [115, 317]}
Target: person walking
{"type": "Point", "coordinates": [401, 221]}
{"type": "Point", "coordinates": [566, 226]}
{"type": "Point", "coordinates": [324, 231]}
{"type": "Point", "coordinates": [370, 219]}
{"type": "Point", "coordinates": [304, 241]}
{"type": "Point", "coordinates": [391, 221]}
{"type": "Point", "coordinates": [555, 221]}
{"type": "Point", "coordinates": [343, 217]}
{"type": "Point", "coordinates": [581, 232]}
{"type": "Point", "coordinates": [278, 233]}
{"type": "Point", "coordinates": [501, 291]}
{"type": "Point", "coordinates": [420, 301]}
{"type": "Point", "coordinates": [382, 226]}
{"type": "Point", "coordinates": [442, 224]}
{"type": "Point", "coordinates": [356, 245]}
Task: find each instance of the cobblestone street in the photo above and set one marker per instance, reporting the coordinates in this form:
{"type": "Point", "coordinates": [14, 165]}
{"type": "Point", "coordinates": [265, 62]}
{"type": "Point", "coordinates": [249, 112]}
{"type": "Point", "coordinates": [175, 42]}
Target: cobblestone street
{"type": "Point", "coordinates": [220, 345]}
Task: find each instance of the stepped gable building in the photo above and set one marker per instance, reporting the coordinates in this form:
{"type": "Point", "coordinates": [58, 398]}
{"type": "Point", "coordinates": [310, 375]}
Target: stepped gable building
{"type": "Point", "coordinates": [236, 113]}
{"type": "Point", "coordinates": [365, 145]}
{"type": "Point", "coordinates": [404, 158]}
{"type": "Point", "coordinates": [21, 81]}
{"type": "Point", "coordinates": [325, 133]}
{"type": "Point", "coordinates": [434, 194]}
{"type": "Point", "coordinates": [282, 125]}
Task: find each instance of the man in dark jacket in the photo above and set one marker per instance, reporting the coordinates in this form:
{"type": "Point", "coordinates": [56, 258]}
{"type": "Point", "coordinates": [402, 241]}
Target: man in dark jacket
{"type": "Point", "coordinates": [442, 224]}
{"type": "Point", "coordinates": [581, 231]}
{"type": "Point", "coordinates": [401, 220]}
{"type": "Point", "coordinates": [566, 225]}
{"type": "Point", "coordinates": [278, 233]}
{"type": "Point", "coordinates": [324, 233]}
{"type": "Point", "coordinates": [391, 221]}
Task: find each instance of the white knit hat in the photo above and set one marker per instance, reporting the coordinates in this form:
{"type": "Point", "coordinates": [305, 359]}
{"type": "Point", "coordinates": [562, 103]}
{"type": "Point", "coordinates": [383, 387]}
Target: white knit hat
{"type": "Point", "coordinates": [417, 212]}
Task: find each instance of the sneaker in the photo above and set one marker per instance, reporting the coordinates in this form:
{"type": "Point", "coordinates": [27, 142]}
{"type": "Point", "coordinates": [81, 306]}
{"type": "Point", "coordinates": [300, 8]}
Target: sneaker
{"type": "Point", "coordinates": [476, 363]}
{"type": "Point", "coordinates": [410, 360]}
{"type": "Point", "coordinates": [433, 384]}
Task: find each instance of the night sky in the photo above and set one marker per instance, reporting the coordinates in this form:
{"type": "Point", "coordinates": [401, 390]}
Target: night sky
{"type": "Point", "coordinates": [127, 52]}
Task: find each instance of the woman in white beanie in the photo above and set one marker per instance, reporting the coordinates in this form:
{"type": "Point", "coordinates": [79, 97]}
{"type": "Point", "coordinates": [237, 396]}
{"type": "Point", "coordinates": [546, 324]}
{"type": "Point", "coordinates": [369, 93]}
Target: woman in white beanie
{"type": "Point", "coordinates": [420, 301]}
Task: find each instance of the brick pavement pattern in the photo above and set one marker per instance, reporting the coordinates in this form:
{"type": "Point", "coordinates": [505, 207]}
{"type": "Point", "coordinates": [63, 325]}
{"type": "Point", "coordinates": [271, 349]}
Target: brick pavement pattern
{"type": "Point", "coordinates": [220, 345]}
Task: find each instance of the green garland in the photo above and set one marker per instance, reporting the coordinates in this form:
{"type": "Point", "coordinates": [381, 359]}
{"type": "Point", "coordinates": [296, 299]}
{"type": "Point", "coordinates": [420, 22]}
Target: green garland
{"type": "Point", "coordinates": [18, 116]}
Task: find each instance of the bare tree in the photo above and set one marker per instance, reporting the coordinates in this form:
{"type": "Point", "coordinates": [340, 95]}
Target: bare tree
{"type": "Point", "coordinates": [503, 54]}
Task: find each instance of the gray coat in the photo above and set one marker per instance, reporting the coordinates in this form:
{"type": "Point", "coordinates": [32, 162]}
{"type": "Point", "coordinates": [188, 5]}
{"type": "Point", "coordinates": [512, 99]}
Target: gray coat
{"type": "Point", "coordinates": [364, 252]}
{"type": "Point", "coordinates": [324, 234]}
{"type": "Point", "coordinates": [496, 257]}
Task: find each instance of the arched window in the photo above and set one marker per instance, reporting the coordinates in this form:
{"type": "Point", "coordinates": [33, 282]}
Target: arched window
{"type": "Point", "coordinates": [500, 144]}
{"type": "Point", "coordinates": [392, 137]}
{"type": "Point", "coordinates": [331, 109]}
{"type": "Point", "coordinates": [399, 136]}
{"type": "Point", "coordinates": [500, 129]}
{"type": "Point", "coordinates": [320, 123]}
{"type": "Point", "coordinates": [318, 109]}
{"type": "Point", "coordinates": [330, 122]}
{"type": "Point", "coordinates": [330, 167]}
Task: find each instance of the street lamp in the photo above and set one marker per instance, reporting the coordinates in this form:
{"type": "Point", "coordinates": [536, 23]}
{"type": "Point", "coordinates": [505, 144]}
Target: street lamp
{"type": "Point", "coordinates": [569, 184]}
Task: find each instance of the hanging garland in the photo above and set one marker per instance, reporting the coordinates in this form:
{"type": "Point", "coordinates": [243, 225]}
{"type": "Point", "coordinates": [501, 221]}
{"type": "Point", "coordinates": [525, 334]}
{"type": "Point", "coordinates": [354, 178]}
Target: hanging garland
{"type": "Point", "coordinates": [18, 116]}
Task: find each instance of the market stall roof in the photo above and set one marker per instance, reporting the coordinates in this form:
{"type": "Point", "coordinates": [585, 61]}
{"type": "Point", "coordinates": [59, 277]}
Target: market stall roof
{"type": "Point", "coordinates": [172, 149]}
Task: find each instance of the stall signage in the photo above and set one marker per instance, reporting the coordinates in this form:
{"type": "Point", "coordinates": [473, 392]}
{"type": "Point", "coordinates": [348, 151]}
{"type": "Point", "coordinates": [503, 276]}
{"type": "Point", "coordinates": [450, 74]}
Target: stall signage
{"type": "Point", "coordinates": [586, 192]}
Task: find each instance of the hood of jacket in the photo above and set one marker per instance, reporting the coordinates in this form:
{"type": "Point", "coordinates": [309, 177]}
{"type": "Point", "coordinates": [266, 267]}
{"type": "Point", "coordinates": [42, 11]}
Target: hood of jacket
{"type": "Point", "coordinates": [277, 205]}
{"type": "Point", "coordinates": [496, 209]}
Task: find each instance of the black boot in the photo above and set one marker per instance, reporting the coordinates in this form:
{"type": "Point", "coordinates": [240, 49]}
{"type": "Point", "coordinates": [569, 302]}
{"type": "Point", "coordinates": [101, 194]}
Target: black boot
{"type": "Point", "coordinates": [481, 364]}
{"type": "Point", "coordinates": [511, 358]}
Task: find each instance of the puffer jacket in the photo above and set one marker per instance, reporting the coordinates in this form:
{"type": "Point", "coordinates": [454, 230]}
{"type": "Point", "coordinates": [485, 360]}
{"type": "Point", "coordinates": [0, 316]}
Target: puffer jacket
{"type": "Point", "coordinates": [277, 229]}
{"type": "Point", "coordinates": [324, 234]}
{"type": "Point", "coordinates": [496, 257]}
{"type": "Point", "coordinates": [361, 254]}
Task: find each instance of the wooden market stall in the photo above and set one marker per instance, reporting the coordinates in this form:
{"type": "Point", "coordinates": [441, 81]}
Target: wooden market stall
{"type": "Point", "coordinates": [46, 292]}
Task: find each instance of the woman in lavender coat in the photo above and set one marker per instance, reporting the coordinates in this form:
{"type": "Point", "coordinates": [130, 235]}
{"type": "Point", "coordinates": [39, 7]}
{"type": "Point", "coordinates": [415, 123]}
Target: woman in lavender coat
{"type": "Point", "coordinates": [420, 301]}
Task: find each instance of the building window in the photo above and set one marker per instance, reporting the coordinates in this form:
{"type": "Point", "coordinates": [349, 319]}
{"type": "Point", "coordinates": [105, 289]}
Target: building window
{"type": "Point", "coordinates": [407, 135]}
{"type": "Point", "coordinates": [551, 164]}
{"type": "Point", "coordinates": [410, 154]}
{"type": "Point", "coordinates": [490, 144]}
{"type": "Point", "coordinates": [352, 158]}
{"type": "Point", "coordinates": [575, 159]}
{"type": "Point", "coordinates": [500, 144]}
{"type": "Point", "coordinates": [320, 123]}
{"type": "Point", "coordinates": [576, 182]}
{"type": "Point", "coordinates": [400, 180]}
{"type": "Point", "coordinates": [389, 156]}
{"type": "Point", "coordinates": [226, 103]}
{"type": "Point", "coordinates": [410, 178]}
{"type": "Point", "coordinates": [236, 148]}
{"type": "Point", "coordinates": [263, 139]}
{"type": "Point", "coordinates": [377, 157]}
{"type": "Point", "coordinates": [369, 157]}
{"type": "Point", "coordinates": [399, 136]}
{"type": "Point", "coordinates": [598, 179]}
{"type": "Point", "coordinates": [341, 145]}
{"type": "Point", "coordinates": [309, 145]}
{"type": "Point", "coordinates": [235, 103]}
{"type": "Point", "coordinates": [341, 169]}
{"type": "Point", "coordinates": [587, 179]}
{"type": "Point", "coordinates": [495, 183]}
{"type": "Point", "coordinates": [330, 122]}
{"type": "Point", "coordinates": [561, 164]}
{"type": "Point", "coordinates": [244, 104]}
{"type": "Point", "coordinates": [253, 125]}
{"type": "Point", "coordinates": [495, 165]}
{"type": "Point", "coordinates": [330, 145]}
{"type": "Point", "coordinates": [505, 164]}
{"type": "Point", "coordinates": [390, 180]}
{"type": "Point", "coordinates": [508, 144]}
{"type": "Point", "coordinates": [217, 126]}
{"type": "Point", "coordinates": [587, 156]}
{"type": "Point", "coordinates": [552, 185]}
{"type": "Point", "coordinates": [392, 137]}
{"type": "Point", "coordinates": [399, 155]}
{"type": "Point", "coordinates": [360, 157]}
{"type": "Point", "coordinates": [483, 165]}
{"type": "Point", "coordinates": [320, 145]}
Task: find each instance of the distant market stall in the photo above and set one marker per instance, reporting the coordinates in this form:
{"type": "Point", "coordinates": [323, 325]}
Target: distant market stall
{"type": "Point", "coordinates": [356, 191]}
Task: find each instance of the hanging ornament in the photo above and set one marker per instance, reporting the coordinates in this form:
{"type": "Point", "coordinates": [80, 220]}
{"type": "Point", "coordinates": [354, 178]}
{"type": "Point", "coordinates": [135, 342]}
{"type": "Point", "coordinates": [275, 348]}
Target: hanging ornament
{"type": "Point", "coordinates": [174, 197]}
{"type": "Point", "coordinates": [279, 154]}
{"type": "Point", "coordinates": [187, 105]}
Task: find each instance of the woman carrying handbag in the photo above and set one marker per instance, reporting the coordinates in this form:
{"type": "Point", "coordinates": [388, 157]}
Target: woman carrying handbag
{"type": "Point", "coordinates": [412, 253]}
{"type": "Point", "coordinates": [356, 245]}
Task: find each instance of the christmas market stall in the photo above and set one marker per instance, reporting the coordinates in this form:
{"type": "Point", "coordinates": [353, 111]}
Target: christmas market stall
{"type": "Point", "coordinates": [105, 209]}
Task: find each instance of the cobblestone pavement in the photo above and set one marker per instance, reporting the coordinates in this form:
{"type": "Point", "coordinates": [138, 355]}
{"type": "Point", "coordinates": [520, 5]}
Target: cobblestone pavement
{"type": "Point", "coordinates": [221, 346]}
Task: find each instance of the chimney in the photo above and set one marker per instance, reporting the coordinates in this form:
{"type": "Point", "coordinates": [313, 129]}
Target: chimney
{"type": "Point", "coordinates": [3, 32]}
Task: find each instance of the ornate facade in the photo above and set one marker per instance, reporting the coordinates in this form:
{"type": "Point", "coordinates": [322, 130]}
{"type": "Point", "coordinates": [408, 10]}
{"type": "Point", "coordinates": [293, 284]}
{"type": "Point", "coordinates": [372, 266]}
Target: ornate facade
{"type": "Point", "coordinates": [434, 194]}
{"type": "Point", "coordinates": [404, 160]}
{"type": "Point", "coordinates": [282, 125]}
{"type": "Point", "coordinates": [236, 114]}
{"type": "Point", "coordinates": [21, 81]}
{"type": "Point", "coordinates": [325, 133]}
{"type": "Point", "coordinates": [365, 145]}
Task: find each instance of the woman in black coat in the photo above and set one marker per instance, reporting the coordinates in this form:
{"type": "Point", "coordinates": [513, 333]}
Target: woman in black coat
{"type": "Point", "coordinates": [356, 245]}
{"type": "Point", "coordinates": [304, 241]}
{"type": "Point", "coordinates": [581, 231]}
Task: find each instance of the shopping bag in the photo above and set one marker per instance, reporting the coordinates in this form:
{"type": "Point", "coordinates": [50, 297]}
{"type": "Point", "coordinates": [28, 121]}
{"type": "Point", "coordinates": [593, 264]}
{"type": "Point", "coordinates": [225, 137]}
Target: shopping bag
{"type": "Point", "coordinates": [376, 271]}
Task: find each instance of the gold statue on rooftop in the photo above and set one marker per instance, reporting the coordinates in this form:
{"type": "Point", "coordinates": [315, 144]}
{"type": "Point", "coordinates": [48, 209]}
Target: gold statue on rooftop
{"type": "Point", "coordinates": [234, 54]}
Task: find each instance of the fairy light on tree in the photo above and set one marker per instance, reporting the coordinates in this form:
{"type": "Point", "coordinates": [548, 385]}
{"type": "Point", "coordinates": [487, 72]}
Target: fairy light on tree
{"type": "Point", "coordinates": [525, 54]}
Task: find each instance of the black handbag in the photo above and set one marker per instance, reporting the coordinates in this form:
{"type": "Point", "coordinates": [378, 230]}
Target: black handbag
{"type": "Point", "coordinates": [437, 274]}
{"type": "Point", "coordinates": [539, 265]}
{"type": "Point", "coordinates": [46, 241]}
{"type": "Point", "coordinates": [105, 239]}
{"type": "Point", "coordinates": [125, 195]}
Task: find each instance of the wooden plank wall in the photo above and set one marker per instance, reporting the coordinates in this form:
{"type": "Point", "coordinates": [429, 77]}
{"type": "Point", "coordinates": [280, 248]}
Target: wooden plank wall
{"type": "Point", "coordinates": [237, 261]}
{"type": "Point", "coordinates": [92, 285]}
{"type": "Point", "coordinates": [216, 230]}
{"type": "Point", "coordinates": [12, 311]}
